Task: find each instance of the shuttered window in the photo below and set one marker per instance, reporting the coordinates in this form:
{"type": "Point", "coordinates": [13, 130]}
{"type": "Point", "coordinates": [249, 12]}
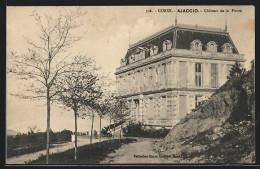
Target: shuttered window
{"type": "Point", "coordinates": [198, 101]}
{"type": "Point", "coordinates": [183, 74]}
{"type": "Point", "coordinates": [198, 72]}
{"type": "Point", "coordinates": [163, 74]}
{"type": "Point", "coordinates": [214, 76]}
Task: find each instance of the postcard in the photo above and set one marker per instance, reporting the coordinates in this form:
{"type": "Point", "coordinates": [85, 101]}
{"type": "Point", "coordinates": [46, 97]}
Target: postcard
{"type": "Point", "coordinates": [130, 85]}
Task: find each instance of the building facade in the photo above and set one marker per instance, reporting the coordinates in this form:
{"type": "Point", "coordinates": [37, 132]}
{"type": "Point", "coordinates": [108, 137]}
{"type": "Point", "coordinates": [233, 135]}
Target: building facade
{"type": "Point", "coordinates": [168, 74]}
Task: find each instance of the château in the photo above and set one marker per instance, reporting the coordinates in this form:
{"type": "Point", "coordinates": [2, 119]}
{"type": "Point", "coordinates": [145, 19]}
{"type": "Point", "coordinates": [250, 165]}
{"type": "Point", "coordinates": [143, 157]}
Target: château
{"type": "Point", "coordinates": [166, 75]}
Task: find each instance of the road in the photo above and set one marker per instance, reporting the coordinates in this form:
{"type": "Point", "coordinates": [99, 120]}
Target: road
{"type": "Point", "coordinates": [139, 152]}
{"type": "Point", "coordinates": [56, 149]}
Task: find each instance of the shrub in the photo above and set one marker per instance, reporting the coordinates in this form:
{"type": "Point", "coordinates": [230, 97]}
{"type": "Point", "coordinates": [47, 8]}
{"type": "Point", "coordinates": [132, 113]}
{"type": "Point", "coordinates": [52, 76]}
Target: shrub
{"type": "Point", "coordinates": [230, 136]}
{"type": "Point", "coordinates": [104, 130]}
{"type": "Point", "coordinates": [138, 130]}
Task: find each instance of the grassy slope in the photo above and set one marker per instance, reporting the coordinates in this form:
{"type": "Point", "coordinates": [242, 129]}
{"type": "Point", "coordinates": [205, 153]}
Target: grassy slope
{"type": "Point", "coordinates": [219, 131]}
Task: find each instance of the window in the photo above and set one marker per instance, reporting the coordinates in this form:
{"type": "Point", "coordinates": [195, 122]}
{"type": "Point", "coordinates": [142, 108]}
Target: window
{"type": "Point", "coordinates": [136, 101]}
{"type": "Point", "coordinates": [211, 46]}
{"type": "Point", "coordinates": [196, 45]}
{"type": "Point", "coordinates": [214, 79]}
{"type": "Point", "coordinates": [123, 62]}
{"type": "Point", "coordinates": [182, 74]}
{"type": "Point", "coordinates": [227, 48]}
{"type": "Point", "coordinates": [198, 75]}
{"type": "Point", "coordinates": [164, 68]}
{"type": "Point", "coordinates": [156, 75]}
{"type": "Point", "coordinates": [167, 45]}
{"type": "Point", "coordinates": [198, 101]}
{"type": "Point", "coordinates": [163, 74]}
{"type": "Point", "coordinates": [150, 75]}
{"type": "Point", "coordinates": [153, 50]}
{"type": "Point", "coordinates": [133, 80]}
{"type": "Point", "coordinates": [123, 87]}
{"type": "Point", "coordinates": [132, 58]}
{"type": "Point", "coordinates": [144, 79]}
{"type": "Point", "coordinates": [140, 53]}
{"type": "Point", "coordinates": [137, 79]}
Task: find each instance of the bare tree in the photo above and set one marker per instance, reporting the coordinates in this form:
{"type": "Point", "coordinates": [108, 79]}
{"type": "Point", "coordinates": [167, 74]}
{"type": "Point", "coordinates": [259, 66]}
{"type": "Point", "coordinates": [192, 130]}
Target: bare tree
{"type": "Point", "coordinates": [76, 89]}
{"type": "Point", "coordinates": [101, 111]}
{"type": "Point", "coordinates": [33, 129]}
{"type": "Point", "coordinates": [92, 123]}
{"type": "Point", "coordinates": [46, 59]}
{"type": "Point", "coordinates": [101, 108]}
{"type": "Point", "coordinates": [121, 111]}
{"type": "Point", "coordinates": [111, 112]}
{"type": "Point", "coordinates": [102, 105]}
{"type": "Point", "coordinates": [98, 105]}
{"type": "Point", "coordinates": [118, 111]}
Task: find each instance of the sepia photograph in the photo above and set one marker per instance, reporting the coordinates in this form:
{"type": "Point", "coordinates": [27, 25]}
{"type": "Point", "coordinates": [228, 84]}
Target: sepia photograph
{"type": "Point", "coordinates": [102, 85]}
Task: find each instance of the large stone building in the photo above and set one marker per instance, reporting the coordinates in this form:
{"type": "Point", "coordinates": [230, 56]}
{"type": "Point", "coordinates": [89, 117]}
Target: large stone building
{"type": "Point", "coordinates": [166, 75]}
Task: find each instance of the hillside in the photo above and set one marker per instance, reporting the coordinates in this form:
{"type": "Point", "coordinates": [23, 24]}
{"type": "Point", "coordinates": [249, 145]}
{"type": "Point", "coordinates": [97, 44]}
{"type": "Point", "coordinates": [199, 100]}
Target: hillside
{"type": "Point", "coordinates": [222, 130]}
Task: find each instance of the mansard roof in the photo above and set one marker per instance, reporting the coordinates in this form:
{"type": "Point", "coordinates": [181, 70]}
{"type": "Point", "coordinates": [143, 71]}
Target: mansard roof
{"type": "Point", "coordinates": [182, 36]}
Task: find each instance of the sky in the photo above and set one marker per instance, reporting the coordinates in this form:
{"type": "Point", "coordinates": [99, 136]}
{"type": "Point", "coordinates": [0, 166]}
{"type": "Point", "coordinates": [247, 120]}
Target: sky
{"type": "Point", "coordinates": [109, 31]}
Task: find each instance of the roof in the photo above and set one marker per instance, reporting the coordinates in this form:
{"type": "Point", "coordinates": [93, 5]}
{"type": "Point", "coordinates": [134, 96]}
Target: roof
{"type": "Point", "coordinates": [185, 34]}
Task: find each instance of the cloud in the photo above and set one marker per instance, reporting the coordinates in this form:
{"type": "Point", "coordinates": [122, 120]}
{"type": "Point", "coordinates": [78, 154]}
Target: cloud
{"type": "Point", "coordinates": [108, 49]}
{"type": "Point", "coordinates": [145, 27]}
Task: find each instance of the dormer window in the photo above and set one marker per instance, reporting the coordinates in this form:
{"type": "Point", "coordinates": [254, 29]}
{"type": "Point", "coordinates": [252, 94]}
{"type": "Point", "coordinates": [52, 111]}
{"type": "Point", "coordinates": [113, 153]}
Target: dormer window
{"type": "Point", "coordinates": [196, 45]}
{"type": "Point", "coordinates": [137, 54]}
{"type": "Point", "coordinates": [153, 50]}
{"type": "Point", "coordinates": [211, 46]}
{"type": "Point", "coordinates": [227, 48]}
{"type": "Point", "coordinates": [131, 59]}
{"type": "Point", "coordinates": [140, 53]}
{"type": "Point", "coordinates": [167, 45]}
{"type": "Point", "coordinates": [123, 62]}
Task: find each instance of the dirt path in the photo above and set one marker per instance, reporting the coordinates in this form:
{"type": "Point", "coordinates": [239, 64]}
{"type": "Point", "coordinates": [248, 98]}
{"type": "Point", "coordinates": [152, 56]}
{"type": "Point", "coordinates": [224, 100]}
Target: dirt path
{"type": "Point", "coordinates": [58, 148]}
{"type": "Point", "coordinates": [139, 152]}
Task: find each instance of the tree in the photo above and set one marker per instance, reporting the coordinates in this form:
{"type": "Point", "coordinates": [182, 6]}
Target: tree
{"type": "Point", "coordinates": [46, 59]}
{"type": "Point", "coordinates": [235, 71]}
{"type": "Point", "coordinates": [118, 110]}
{"type": "Point", "coordinates": [102, 104]}
{"type": "Point", "coordinates": [252, 73]}
{"type": "Point", "coordinates": [101, 108]}
{"type": "Point", "coordinates": [121, 111]}
{"type": "Point", "coordinates": [77, 88]}
{"type": "Point", "coordinates": [33, 129]}
{"type": "Point", "coordinates": [111, 112]}
{"type": "Point", "coordinates": [94, 106]}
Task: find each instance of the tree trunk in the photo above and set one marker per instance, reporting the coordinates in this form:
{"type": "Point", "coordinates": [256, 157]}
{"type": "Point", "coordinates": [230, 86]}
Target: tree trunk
{"type": "Point", "coordinates": [109, 129]}
{"type": "Point", "coordinates": [99, 130]}
{"type": "Point", "coordinates": [91, 132]}
{"type": "Point", "coordinates": [114, 130]}
{"type": "Point", "coordinates": [76, 136]}
{"type": "Point", "coordinates": [120, 132]}
{"type": "Point", "coordinates": [48, 126]}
